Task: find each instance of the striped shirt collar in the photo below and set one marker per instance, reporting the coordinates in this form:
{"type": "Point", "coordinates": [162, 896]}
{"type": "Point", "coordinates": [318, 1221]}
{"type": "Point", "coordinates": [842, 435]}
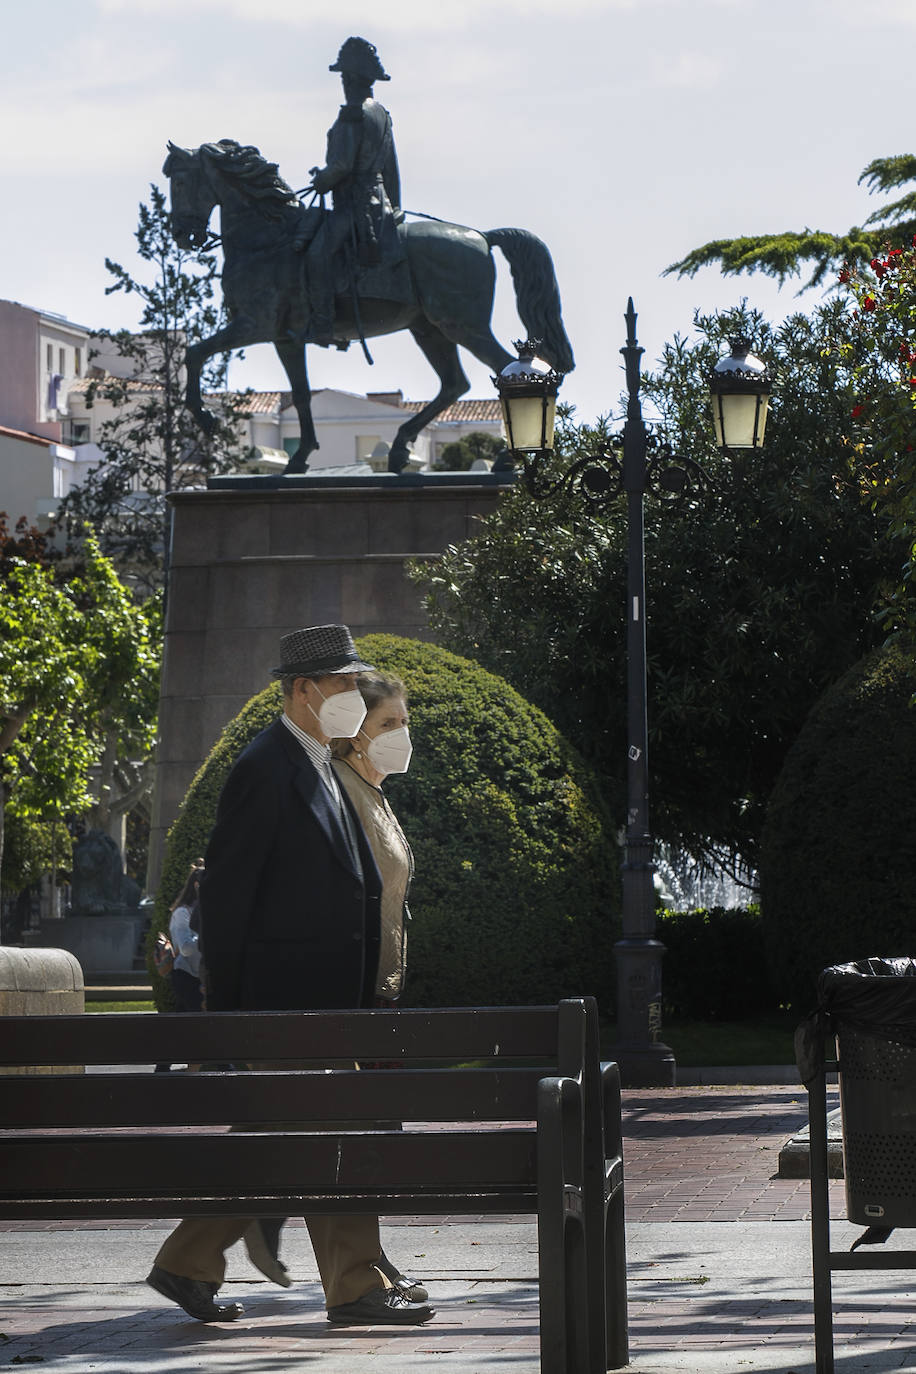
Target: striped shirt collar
{"type": "Point", "coordinates": [319, 754]}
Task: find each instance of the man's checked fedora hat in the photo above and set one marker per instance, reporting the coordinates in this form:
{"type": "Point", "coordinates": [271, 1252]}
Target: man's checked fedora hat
{"type": "Point", "coordinates": [317, 651]}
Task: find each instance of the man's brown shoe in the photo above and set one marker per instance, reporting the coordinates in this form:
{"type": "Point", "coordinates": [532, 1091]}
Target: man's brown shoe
{"type": "Point", "coordinates": [194, 1295]}
{"type": "Point", "coordinates": [380, 1307]}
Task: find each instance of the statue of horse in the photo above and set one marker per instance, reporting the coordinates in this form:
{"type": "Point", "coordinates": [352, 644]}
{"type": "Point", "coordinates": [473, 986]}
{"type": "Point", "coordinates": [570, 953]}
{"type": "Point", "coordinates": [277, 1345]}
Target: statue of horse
{"type": "Point", "coordinates": [451, 269]}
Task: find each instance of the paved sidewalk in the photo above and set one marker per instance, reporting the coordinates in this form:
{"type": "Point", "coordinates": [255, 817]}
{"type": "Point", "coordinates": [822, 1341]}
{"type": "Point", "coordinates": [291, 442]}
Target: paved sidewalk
{"type": "Point", "coordinates": [719, 1269]}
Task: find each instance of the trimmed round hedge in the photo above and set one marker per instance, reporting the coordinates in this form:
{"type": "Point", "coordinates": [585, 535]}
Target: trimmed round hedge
{"type": "Point", "coordinates": [516, 894]}
{"type": "Point", "coordinates": [837, 861]}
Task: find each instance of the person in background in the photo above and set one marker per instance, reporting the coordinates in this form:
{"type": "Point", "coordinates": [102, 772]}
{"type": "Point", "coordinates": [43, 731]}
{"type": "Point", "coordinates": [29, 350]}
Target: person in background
{"type": "Point", "coordinates": [185, 939]}
{"type": "Point", "coordinates": [185, 975]}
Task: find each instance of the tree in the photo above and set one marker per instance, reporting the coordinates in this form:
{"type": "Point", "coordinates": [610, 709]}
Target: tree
{"type": "Point", "coordinates": [760, 591]}
{"type": "Point", "coordinates": [461, 454]}
{"type": "Point", "coordinates": [781, 255]}
{"type": "Point", "coordinates": [880, 351]}
{"type": "Point", "coordinates": [79, 662]}
{"type": "Point", "coordinates": [152, 444]}
{"type": "Point", "coordinates": [876, 265]}
{"type": "Point", "coordinates": [837, 873]}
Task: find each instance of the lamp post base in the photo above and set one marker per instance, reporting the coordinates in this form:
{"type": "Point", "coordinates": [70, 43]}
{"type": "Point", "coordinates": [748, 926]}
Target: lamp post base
{"type": "Point", "coordinates": [644, 1060]}
{"type": "Point", "coordinates": [646, 1066]}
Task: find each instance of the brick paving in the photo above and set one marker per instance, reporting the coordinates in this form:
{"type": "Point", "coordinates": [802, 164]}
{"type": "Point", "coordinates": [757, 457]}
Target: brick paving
{"type": "Point", "coordinates": [711, 1154]}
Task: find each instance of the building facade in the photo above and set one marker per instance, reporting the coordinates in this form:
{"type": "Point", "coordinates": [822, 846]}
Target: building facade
{"type": "Point", "coordinates": [49, 436]}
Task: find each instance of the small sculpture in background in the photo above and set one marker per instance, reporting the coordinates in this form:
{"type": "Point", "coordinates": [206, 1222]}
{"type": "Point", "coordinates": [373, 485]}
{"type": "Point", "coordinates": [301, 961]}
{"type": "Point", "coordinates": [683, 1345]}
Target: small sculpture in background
{"type": "Point", "coordinates": [99, 886]}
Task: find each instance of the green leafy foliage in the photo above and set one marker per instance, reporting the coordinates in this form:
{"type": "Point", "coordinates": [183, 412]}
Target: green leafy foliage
{"type": "Point", "coordinates": [715, 965]}
{"type": "Point", "coordinates": [79, 669]}
{"type": "Point", "coordinates": [837, 880]}
{"type": "Point", "coordinates": [760, 589]}
{"type": "Point", "coordinates": [460, 455]}
{"type": "Point", "coordinates": [516, 891]}
{"type": "Point", "coordinates": [879, 350]}
{"type": "Point", "coordinates": [152, 442]}
{"type": "Point", "coordinates": [782, 255]}
{"type": "Point", "coordinates": [32, 848]}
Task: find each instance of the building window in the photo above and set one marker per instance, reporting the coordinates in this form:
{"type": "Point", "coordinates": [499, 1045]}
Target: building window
{"type": "Point", "coordinates": [77, 362]}
{"type": "Point", "coordinates": [62, 361]}
{"type": "Point", "coordinates": [49, 357]}
{"type": "Point", "coordinates": [365, 443]}
{"type": "Point", "coordinates": [75, 432]}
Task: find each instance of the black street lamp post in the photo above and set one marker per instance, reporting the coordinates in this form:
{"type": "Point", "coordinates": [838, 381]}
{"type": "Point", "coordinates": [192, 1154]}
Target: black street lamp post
{"type": "Point", "coordinates": [740, 386]}
{"type": "Point", "coordinates": [643, 1058]}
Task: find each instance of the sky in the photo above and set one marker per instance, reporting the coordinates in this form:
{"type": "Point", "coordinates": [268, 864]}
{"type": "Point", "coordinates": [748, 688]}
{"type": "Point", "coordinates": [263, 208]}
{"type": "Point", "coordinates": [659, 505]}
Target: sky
{"type": "Point", "coordinates": [622, 132]}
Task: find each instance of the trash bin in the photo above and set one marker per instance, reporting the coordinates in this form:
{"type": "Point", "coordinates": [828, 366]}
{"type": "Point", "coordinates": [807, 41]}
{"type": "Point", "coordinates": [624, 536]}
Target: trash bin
{"type": "Point", "coordinates": [872, 1006]}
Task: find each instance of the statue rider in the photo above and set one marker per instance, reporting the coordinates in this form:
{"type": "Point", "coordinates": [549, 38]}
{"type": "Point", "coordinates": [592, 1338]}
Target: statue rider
{"type": "Point", "coordinates": [361, 172]}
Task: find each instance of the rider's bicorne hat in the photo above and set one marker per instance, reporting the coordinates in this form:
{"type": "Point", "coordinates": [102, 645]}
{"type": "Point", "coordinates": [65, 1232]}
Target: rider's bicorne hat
{"type": "Point", "coordinates": [360, 58]}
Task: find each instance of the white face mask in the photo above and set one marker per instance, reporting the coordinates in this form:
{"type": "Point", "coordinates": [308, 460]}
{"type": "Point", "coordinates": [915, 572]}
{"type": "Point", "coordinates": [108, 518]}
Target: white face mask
{"type": "Point", "coordinates": [390, 751]}
{"type": "Point", "coordinates": [340, 715]}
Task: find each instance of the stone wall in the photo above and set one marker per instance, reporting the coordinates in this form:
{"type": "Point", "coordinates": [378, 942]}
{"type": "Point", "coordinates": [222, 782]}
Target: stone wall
{"type": "Point", "coordinates": [255, 557]}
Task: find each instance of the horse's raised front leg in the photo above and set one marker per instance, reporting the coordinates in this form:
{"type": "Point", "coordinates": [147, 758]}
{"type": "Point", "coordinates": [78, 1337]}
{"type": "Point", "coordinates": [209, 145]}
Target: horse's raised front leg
{"type": "Point", "coordinates": [292, 356]}
{"type": "Point", "coordinates": [443, 355]}
{"type": "Point", "coordinates": [225, 340]}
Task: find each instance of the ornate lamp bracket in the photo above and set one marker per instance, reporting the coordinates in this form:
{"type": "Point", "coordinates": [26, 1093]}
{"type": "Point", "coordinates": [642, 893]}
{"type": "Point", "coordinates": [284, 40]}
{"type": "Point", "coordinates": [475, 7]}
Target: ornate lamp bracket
{"type": "Point", "coordinates": [598, 478]}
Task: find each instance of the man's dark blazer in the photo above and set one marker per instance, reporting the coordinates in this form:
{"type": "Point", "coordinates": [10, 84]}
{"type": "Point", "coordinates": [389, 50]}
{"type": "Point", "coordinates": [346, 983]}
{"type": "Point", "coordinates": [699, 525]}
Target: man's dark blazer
{"type": "Point", "coordinates": [288, 921]}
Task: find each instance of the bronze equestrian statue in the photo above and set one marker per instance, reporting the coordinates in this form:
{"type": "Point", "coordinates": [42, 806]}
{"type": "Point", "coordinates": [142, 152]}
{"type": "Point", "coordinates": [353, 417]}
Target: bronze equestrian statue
{"type": "Point", "coordinates": [294, 275]}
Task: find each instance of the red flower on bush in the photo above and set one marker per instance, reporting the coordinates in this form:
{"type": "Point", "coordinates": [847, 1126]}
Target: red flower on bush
{"type": "Point", "coordinates": [857, 411]}
{"type": "Point", "coordinates": [869, 303]}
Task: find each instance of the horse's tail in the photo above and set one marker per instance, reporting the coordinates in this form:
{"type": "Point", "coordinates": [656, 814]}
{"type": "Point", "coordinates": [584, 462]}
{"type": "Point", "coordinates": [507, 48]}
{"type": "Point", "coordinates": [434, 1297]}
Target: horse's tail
{"type": "Point", "coordinates": [536, 293]}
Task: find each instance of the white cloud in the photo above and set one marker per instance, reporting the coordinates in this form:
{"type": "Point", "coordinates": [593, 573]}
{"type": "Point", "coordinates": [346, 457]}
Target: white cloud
{"type": "Point", "coordinates": [413, 16]}
{"type": "Point", "coordinates": [889, 14]}
{"type": "Point", "coordinates": [685, 70]}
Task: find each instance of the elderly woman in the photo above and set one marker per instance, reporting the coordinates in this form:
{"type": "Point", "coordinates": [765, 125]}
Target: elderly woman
{"type": "Point", "coordinates": [381, 746]}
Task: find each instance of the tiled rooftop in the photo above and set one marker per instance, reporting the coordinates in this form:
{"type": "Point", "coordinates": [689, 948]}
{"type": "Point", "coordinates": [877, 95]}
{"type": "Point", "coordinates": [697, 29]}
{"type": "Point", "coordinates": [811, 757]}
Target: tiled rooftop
{"type": "Point", "coordinates": [464, 412]}
{"type": "Point", "coordinates": [470, 411]}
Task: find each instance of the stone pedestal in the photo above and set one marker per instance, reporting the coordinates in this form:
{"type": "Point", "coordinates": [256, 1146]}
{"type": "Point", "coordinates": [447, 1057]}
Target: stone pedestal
{"type": "Point", "coordinates": [40, 982]}
{"type": "Point", "coordinates": [104, 945]}
{"type": "Point", "coordinates": [256, 557]}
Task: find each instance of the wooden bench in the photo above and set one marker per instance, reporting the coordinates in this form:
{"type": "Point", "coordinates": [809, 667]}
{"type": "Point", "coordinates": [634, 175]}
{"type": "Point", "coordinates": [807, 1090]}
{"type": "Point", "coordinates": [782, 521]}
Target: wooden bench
{"type": "Point", "coordinates": [526, 1118]}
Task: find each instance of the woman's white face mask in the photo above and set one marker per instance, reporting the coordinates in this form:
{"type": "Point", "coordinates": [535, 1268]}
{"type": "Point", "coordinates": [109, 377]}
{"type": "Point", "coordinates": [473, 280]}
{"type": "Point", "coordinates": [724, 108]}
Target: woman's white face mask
{"type": "Point", "coordinates": [390, 751]}
{"type": "Point", "coordinates": [341, 715]}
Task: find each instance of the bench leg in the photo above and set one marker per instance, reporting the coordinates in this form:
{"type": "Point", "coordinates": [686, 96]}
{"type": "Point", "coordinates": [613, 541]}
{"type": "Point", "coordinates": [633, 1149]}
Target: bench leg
{"type": "Point", "coordinates": [568, 1323]}
{"type": "Point", "coordinates": [615, 1248]}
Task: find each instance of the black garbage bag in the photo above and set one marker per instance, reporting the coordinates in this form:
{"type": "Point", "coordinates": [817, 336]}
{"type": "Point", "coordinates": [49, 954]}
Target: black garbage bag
{"type": "Point", "coordinates": [875, 995]}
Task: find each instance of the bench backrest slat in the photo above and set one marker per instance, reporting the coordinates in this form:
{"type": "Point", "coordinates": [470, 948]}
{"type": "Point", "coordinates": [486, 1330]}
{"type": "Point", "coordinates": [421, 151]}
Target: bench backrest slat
{"type": "Point", "coordinates": [135, 1038]}
{"type": "Point", "coordinates": [188, 1165]}
{"type": "Point", "coordinates": [176, 1099]}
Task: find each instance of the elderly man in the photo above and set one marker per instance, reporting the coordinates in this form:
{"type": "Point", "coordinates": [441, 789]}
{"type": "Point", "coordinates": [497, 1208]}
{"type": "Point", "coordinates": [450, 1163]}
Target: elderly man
{"type": "Point", "coordinates": [290, 921]}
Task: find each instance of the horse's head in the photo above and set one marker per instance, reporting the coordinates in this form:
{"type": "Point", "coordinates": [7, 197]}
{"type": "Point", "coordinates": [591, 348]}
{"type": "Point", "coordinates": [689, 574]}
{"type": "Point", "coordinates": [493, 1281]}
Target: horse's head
{"type": "Point", "coordinates": [192, 196]}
